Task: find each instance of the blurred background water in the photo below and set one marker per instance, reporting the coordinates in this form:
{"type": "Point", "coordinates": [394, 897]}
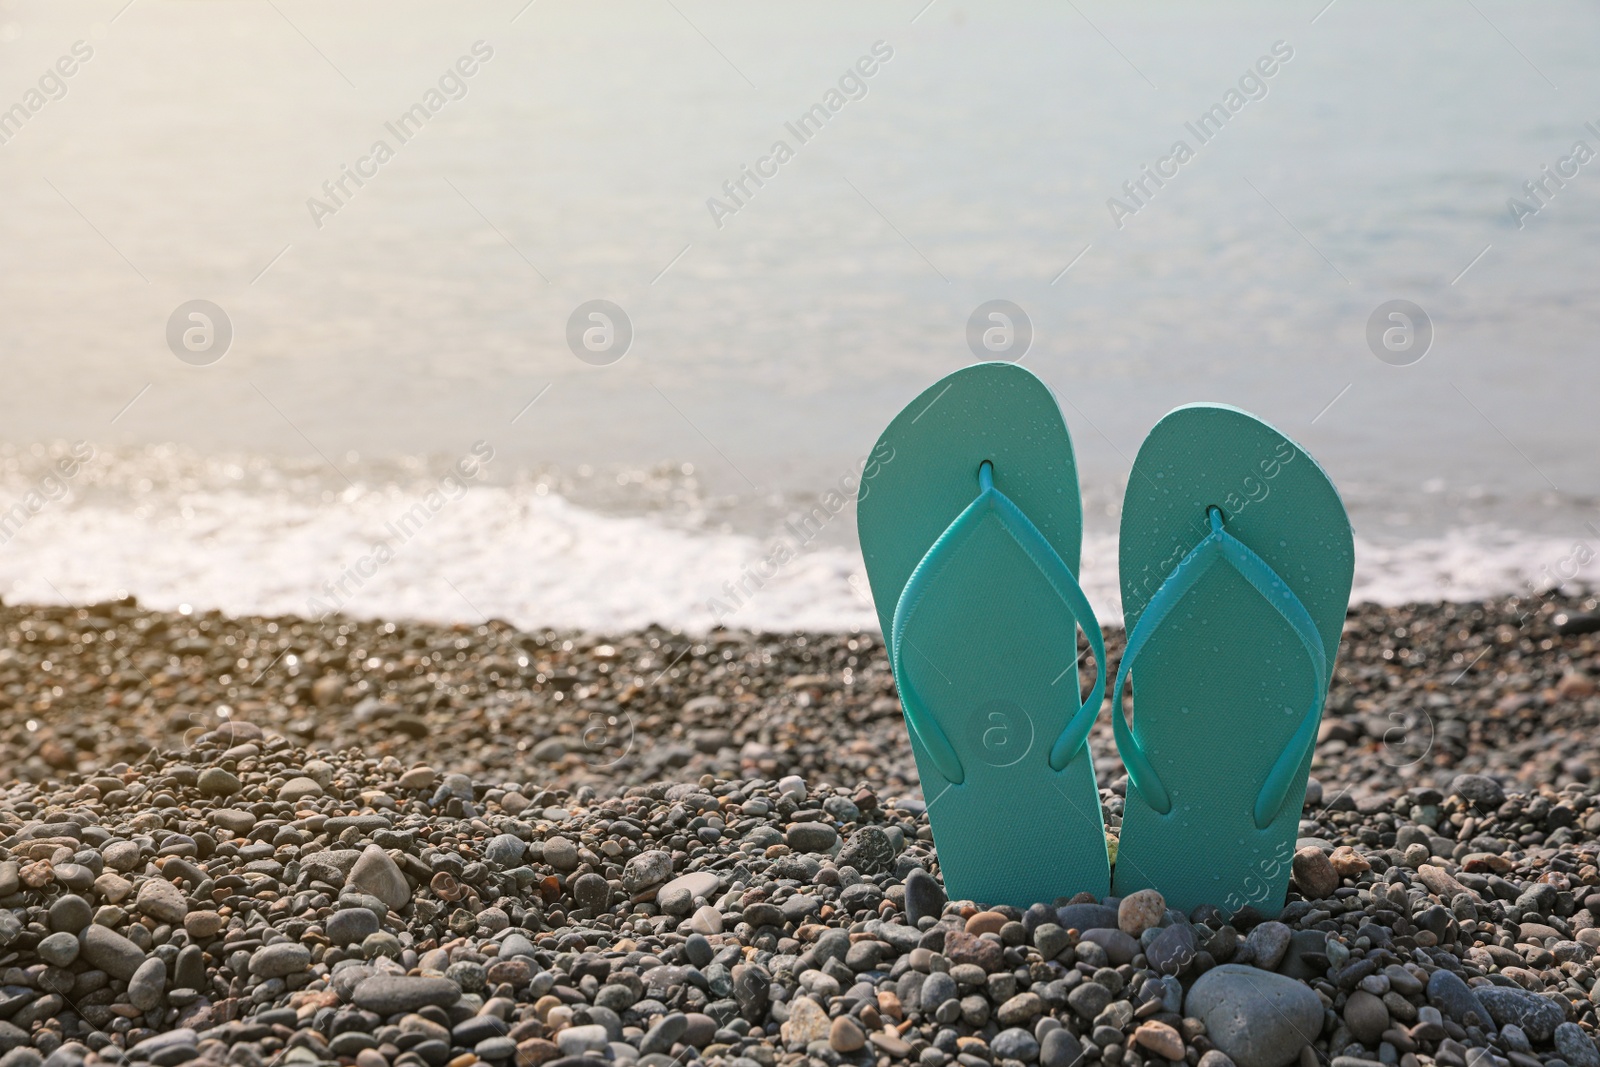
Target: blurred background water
{"type": "Point", "coordinates": [371, 351]}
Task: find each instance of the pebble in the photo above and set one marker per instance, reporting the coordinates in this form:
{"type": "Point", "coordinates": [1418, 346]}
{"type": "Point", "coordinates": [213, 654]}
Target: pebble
{"type": "Point", "coordinates": [110, 951]}
{"type": "Point", "coordinates": [869, 851]}
{"type": "Point", "coordinates": [1537, 1016]}
{"type": "Point", "coordinates": [376, 873]}
{"type": "Point", "coordinates": [1366, 1016]}
{"type": "Point", "coordinates": [1268, 942]}
{"type": "Point", "coordinates": [811, 837]}
{"type": "Point", "coordinates": [1576, 1046]}
{"type": "Point", "coordinates": [280, 960]}
{"type": "Point", "coordinates": [561, 853]}
{"type": "Point", "coordinates": [1479, 790]}
{"type": "Point", "coordinates": [387, 994]}
{"type": "Point", "coordinates": [148, 985]}
{"type": "Point", "coordinates": [807, 1023]}
{"type": "Point", "coordinates": [300, 788]}
{"type": "Point", "coordinates": [1458, 1001]}
{"type": "Point", "coordinates": [1140, 911]}
{"type": "Point", "coordinates": [1014, 1043]}
{"type": "Point", "coordinates": [161, 900]}
{"type": "Point", "coordinates": [1159, 1038]}
{"type": "Point", "coordinates": [1259, 1019]}
{"type": "Point", "coordinates": [1313, 873]}
{"type": "Point", "coordinates": [349, 926]}
{"type": "Point", "coordinates": [845, 1035]}
{"type": "Point", "coordinates": [1060, 1048]}
{"type": "Point", "coordinates": [218, 782]}
{"type": "Point", "coordinates": [59, 949]}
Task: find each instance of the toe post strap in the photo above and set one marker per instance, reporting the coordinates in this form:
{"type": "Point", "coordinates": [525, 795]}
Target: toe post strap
{"type": "Point", "coordinates": [991, 502]}
{"type": "Point", "coordinates": [1221, 546]}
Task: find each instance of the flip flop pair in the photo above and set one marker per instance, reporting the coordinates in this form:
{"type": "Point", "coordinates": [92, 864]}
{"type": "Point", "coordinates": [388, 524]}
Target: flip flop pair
{"type": "Point", "coordinates": [1236, 562]}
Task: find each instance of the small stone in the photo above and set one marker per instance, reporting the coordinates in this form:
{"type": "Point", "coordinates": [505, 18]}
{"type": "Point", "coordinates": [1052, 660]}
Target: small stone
{"type": "Point", "coordinates": [217, 782]}
{"type": "Point", "coordinates": [377, 874]}
{"type": "Point", "coordinates": [162, 901]}
{"type": "Point", "coordinates": [962, 947]}
{"type": "Point", "coordinates": [1173, 949]}
{"type": "Point", "coordinates": [1020, 1009]}
{"type": "Point", "coordinates": [869, 851]}
{"type": "Point", "coordinates": [1348, 863]}
{"type": "Point", "coordinates": [561, 854]}
{"type": "Point", "coordinates": [419, 777]}
{"type": "Point", "coordinates": [1456, 1000]}
{"type": "Point", "coordinates": [387, 994]}
{"type": "Point", "coordinates": [504, 850]}
{"type": "Point", "coordinates": [1140, 911]}
{"type": "Point", "coordinates": [70, 913]}
{"type": "Point", "coordinates": [592, 891]}
{"type": "Point", "coordinates": [924, 896]}
{"type": "Point", "coordinates": [1537, 1015]}
{"type": "Point", "coordinates": [706, 920]}
{"type": "Point", "coordinates": [578, 1040]}
{"type": "Point", "coordinates": [1089, 999]}
{"type": "Point", "coordinates": [1215, 1058]}
{"type": "Point", "coordinates": [110, 951]}
{"type": "Point", "coordinates": [1120, 947]}
{"type": "Point", "coordinates": [1267, 943]}
{"type": "Point", "coordinates": [985, 922]}
{"type": "Point", "coordinates": [60, 949]}
{"type": "Point", "coordinates": [807, 1023]}
{"type": "Point", "coordinates": [846, 1035]}
{"type": "Point", "coordinates": [350, 926]}
{"type": "Point", "coordinates": [811, 837]}
{"type": "Point", "coordinates": [663, 1035]}
{"type": "Point", "coordinates": [647, 869]}
{"type": "Point", "coordinates": [1060, 1048]}
{"type": "Point", "coordinates": [1576, 1046]}
{"type": "Point", "coordinates": [1366, 1016]}
{"type": "Point", "coordinates": [203, 925]}
{"type": "Point", "coordinates": [299, 789]}
{"type": "Point", "coordinates": [1159, 1038]}
{"type": "Point", "coordinates": [1260, 1019]}
{"type": "Point", "coordinates": [280, 960]}
{"type": "Point", "coordinates": [148, 985]}
{"type": "Point", "coordinates": [1014, 1043]}
{"type": "Point", "coordinates": [1051, 940]}
{"type": "Point", "coordinates": [696, 883]}
{"type": "Point", "coordinates": [1313, 873]}
{"type": "Point", "coordinates": [792, 785]}
{"type": "Point", "coordinates": [1479, 790]}
{"type": "Point", "coordinates": [112, 888]}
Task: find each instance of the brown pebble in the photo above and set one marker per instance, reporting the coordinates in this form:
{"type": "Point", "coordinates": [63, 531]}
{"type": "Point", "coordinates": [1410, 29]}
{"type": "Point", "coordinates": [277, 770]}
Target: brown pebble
{"type": "Point", "coordinates": [986, 922]}
{"type": "Point", "coordinates": [1313, 873]}
{"type": "Point", "coordinates": [1159, 1038]}
{"type": "Point", "coordinates": [1140, 911]}
{"type": "Point", "coordinates": [201, 925]}
{"type": "Point", "coordinates": [846, 1035]}
{"type": "Point", "coordinates": [1348, 863]}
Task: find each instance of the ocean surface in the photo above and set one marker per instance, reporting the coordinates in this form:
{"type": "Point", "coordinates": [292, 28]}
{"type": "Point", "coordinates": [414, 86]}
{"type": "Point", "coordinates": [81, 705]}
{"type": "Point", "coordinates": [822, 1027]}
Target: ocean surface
{"type": "Point", "coordinates": [395, 315]}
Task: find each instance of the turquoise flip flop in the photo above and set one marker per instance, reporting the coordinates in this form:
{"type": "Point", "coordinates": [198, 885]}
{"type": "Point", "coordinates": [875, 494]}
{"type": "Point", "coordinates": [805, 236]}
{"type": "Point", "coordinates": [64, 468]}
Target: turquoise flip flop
{"type": "Point", "coordinates": [971, 529]}
{"type": "Point", "coordinates": [1236, 561]}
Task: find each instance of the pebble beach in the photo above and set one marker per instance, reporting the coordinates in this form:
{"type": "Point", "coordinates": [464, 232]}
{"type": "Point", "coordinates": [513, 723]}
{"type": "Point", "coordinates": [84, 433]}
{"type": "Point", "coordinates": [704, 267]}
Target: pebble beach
{"type": "Point", "coordinates": [260, 841]}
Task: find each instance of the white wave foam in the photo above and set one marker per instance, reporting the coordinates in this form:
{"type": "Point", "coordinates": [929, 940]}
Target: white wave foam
{"type": "Point", "coordinates": [540, 561]}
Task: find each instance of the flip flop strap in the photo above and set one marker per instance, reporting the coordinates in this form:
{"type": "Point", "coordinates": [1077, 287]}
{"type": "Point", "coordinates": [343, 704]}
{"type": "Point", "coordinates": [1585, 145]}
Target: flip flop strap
{"type": "Point", "coordinates": [991, 501]}
{"type": "Point", "coordinates": [1221, 545]}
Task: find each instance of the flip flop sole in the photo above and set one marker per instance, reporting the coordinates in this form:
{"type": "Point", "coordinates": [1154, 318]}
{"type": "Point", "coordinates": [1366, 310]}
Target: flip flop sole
{"type": "Point", "coordinates": [988, 647]}
{"type": "Point", "coordinates": [1223, 683]}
